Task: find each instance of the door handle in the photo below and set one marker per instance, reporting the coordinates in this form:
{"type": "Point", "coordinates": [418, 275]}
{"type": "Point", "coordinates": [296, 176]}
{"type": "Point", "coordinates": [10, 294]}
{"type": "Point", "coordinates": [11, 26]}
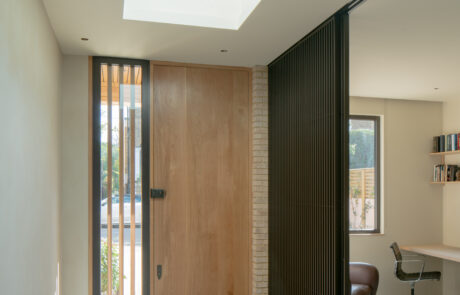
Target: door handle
{"type": "Point", "coordinates": [156, 193]}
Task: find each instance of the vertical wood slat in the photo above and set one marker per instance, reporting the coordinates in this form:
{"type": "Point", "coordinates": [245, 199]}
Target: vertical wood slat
{"type": "Point", "coordinates": [151, 203]}
{"type": "Point", "coordinates": [109, 179]}
{"type": "Point", "coordinates": [132, 114]}
{"type": "Point", "coordinates": [121, 181]}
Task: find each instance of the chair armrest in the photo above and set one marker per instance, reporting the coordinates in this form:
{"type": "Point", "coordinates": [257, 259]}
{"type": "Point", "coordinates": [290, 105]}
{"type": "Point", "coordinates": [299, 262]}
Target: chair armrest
{"type": "Point", "coordinates": [422, 262]}
{"type": "Point", "coordinates": [364, 274]}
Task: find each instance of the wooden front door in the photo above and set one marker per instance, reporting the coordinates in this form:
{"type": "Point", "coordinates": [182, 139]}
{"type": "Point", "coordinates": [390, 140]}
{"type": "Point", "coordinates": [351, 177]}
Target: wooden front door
{"type": "Point", "coordinates": [201, 158]}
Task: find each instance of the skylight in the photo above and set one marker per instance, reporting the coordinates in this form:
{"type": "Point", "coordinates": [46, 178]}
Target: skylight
{"type": "Point", "coordinates": [222, 14]}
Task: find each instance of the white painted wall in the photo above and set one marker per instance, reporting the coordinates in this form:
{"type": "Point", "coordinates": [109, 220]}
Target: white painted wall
{"type": "Point", "coordinates": [451, 203]}
{"type": "Point", "coordinates": [74, 166]}
{"type": "Point", "coordinates": [412, 206]}
{"type": "Point", "coordinates": [30, 62]}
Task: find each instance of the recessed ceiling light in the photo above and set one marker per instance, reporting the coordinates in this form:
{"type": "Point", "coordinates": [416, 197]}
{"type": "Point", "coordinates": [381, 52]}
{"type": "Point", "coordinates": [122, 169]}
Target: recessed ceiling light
{"type": "Point", "coordinates": [223, 50]}
{"type": "Point", "coordinates": [223, 14]}
{"type": "Point", "coordinates": [84, 39]}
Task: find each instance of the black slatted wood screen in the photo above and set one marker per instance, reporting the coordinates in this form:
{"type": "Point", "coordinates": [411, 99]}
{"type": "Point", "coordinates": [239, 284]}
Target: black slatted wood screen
{"type": "Point", "coordinates": [308, 146]}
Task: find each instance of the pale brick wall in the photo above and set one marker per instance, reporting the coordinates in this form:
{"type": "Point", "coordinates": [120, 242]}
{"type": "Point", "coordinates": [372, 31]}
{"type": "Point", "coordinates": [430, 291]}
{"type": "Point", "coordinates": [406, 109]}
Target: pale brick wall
{"type": "Point", "coordinates": [260, 179]}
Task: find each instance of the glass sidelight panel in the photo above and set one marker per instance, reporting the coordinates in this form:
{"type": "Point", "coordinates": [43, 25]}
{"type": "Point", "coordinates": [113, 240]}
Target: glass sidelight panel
{"type": "Point", "coordinates": [121, 196]}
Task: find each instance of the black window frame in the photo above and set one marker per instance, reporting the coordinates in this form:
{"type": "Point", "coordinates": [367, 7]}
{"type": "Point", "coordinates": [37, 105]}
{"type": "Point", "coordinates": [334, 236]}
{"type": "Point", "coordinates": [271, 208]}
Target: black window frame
{"type": "Point", "coordinates": [377, 175]}
{"type": "Point", "coordinates": [98, 61]}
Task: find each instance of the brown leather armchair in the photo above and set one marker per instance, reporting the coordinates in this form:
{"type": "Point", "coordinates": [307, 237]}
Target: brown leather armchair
{"type": "Point", "coordinates": [364, 278]}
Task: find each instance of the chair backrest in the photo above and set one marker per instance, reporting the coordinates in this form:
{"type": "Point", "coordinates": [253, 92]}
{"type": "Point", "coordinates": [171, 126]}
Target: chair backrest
{"type": "Point", "coordinates": [398, 257]}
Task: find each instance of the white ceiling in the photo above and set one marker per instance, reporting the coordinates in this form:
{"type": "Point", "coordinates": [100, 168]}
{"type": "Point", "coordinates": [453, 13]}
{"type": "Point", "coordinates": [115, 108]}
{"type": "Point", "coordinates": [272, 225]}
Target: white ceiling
{"type": "Point", "coordinates": [406, 48]}
{"type": "Point", "coordinates": [272, 28]}
{"type": "Point", "coordinates": [398, 48]}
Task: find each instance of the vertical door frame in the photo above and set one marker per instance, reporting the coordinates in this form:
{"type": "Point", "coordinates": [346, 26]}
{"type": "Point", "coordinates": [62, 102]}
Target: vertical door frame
{"type": "Point", "coordinates": [342, 18]}
{"type": "Point", "coordinates": [90, 175]}
{"type": "Point", "coordinates": [343, 114]}
{"type": "Point", "coordinates": [94, 170]}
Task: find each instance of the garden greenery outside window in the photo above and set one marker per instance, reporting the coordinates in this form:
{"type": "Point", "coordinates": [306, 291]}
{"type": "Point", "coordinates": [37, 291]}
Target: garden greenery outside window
{"type": "Point", "coordinates": [364, 174]}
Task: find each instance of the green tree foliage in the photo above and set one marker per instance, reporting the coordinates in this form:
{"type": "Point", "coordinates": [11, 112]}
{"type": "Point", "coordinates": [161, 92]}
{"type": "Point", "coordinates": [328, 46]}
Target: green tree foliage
{"type": "Point", "coordinates": [361, 148]}
{"type": "Point", "coordinates": [104, 268]}
{"type": "Point", "coordinates": [115, 169]}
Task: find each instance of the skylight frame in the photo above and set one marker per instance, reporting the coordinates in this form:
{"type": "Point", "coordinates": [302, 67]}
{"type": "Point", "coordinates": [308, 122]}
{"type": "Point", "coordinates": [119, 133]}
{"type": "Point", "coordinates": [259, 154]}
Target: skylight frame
{"type": "Point", "coordinates": [219, 14]}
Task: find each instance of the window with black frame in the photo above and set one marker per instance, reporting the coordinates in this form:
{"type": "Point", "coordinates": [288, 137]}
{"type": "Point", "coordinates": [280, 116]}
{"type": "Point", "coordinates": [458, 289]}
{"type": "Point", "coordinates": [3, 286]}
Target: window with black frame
{"type": "Point", "coordinates": [120, 177]}
{"type": "Point", "coordinates": [364, 174]}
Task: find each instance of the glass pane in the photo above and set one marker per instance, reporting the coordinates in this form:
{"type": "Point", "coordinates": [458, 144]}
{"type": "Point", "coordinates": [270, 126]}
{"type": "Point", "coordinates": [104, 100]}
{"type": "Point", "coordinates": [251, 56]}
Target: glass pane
{"type": "Point", "coordinates": [121, 180]}
{"type": "Point", "coordinates": [363, 201]}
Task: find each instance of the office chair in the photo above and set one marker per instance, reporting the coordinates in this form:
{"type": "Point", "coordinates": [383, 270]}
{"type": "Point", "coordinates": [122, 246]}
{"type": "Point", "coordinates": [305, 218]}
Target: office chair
{"type": "Point", "coordinates": [411, 278]}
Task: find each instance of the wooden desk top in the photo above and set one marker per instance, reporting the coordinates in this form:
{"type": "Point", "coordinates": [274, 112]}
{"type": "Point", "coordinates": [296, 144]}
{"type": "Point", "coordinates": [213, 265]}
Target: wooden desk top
{"type": "Point", "coordinates": [438, 251]}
